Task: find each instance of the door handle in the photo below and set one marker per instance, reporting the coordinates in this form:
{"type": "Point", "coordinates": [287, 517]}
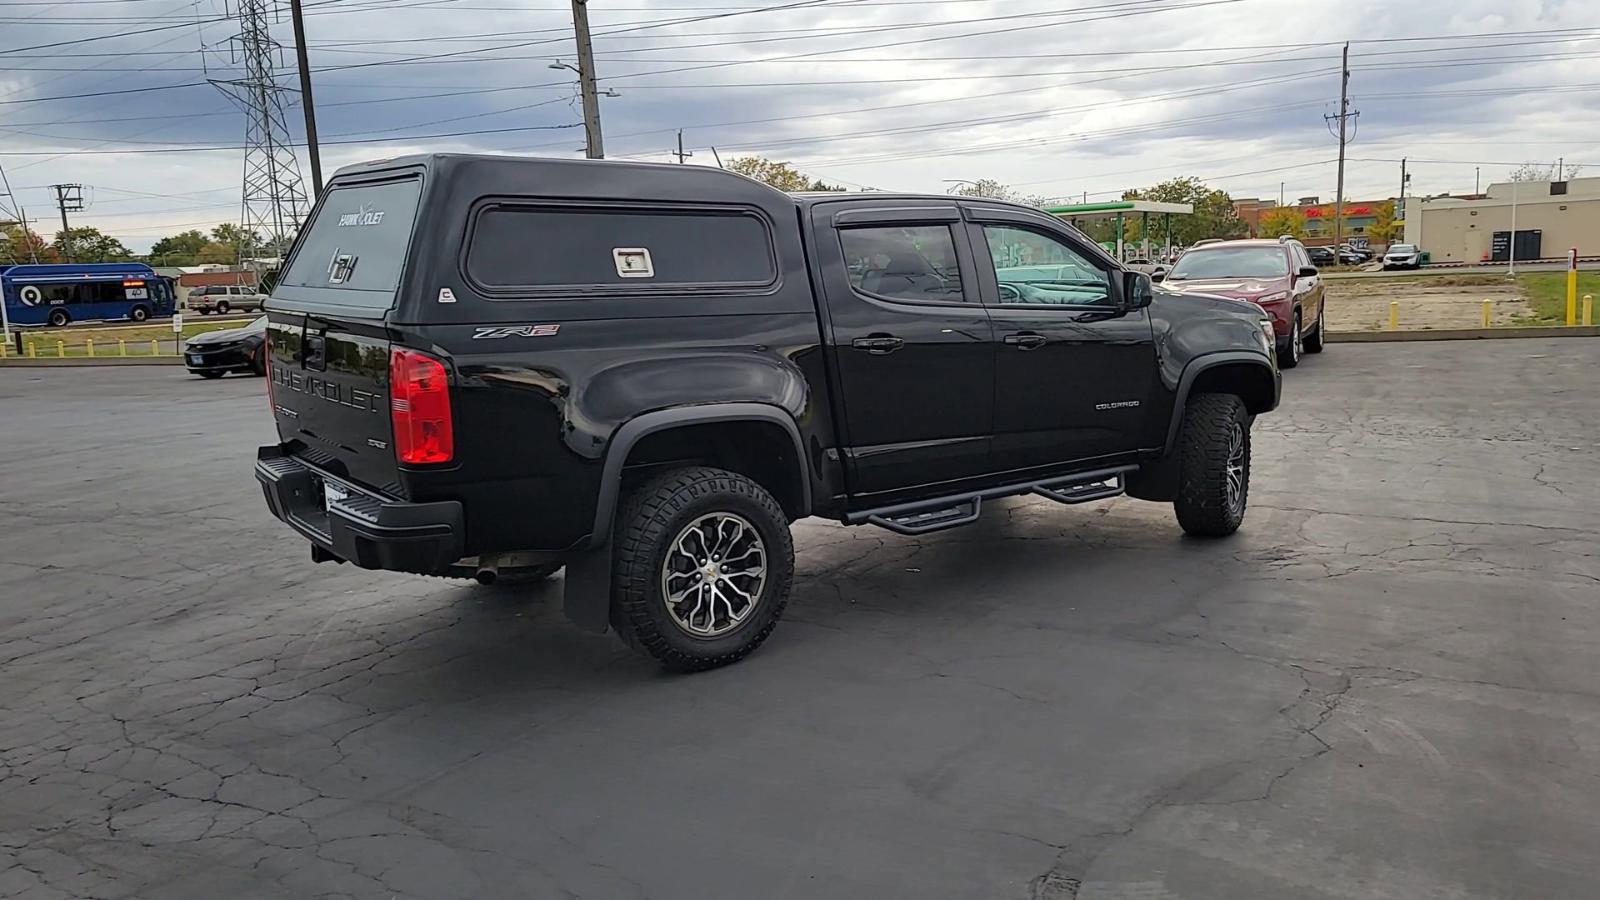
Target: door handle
{"type": "Point", "coordinates": [878, 344]}
{"type": "Point", "coordinates": [1026, 340]}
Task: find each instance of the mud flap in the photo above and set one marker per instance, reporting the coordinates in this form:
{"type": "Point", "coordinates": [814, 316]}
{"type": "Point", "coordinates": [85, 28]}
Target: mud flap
{"type": "Point", "coordinates": [587, 598]}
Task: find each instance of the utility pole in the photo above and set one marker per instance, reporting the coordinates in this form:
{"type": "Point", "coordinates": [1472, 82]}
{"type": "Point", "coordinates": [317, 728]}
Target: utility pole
{"type": "Point", "coordinates": [1344, 137]}
{"type": "Point", "coordinates": [680, 154]}
{"type": "Point", "coordinates": [69, 198]}
{"type": "Point", "coordinates": [1400, 208]}
{"type": "Point", "coordinates": [593, 146]}
{"type": "Point", "coordinates": [305, 97]}
{"type": "Point", "coordinates": [1477, 179]}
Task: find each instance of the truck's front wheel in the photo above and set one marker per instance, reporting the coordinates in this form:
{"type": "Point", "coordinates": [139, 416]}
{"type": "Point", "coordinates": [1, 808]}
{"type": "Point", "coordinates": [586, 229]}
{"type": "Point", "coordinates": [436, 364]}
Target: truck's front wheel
{"type": "Point", "coordinates": [702, 566]}
{"type": "Point", "coordinates": [1213, 465]}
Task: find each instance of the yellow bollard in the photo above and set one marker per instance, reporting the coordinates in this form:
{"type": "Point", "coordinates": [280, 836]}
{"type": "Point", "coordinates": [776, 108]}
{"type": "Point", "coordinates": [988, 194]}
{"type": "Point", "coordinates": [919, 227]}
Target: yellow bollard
{"type": "Point", "coordinates": [1488, 306]}
{"type": "Point", "coordinates": [1588, 309]}
{"type": "Point", "coordinates": [1572, 295]}
{"type": "Point", "coordinates": [122, 347]}
{"type": "Point", "coordinates": [89, 342]}
{"type": "Point", "coordinates": [61, 349]}
{"type": "Point", "coordinates": [154, 350]}
{"type": "Point", "coordinates": [32, 354]}
{"type": "Point", "coordinates": [1394, 315]}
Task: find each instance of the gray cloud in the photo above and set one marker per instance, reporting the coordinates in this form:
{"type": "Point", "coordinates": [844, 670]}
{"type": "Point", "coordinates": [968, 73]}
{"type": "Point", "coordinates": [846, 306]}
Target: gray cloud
{"type": "Point", "coordinates": [1047, 114]}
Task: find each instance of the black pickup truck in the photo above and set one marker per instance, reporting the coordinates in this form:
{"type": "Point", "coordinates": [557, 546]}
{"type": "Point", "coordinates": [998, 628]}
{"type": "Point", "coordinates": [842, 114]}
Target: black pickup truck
{"type": "Point", "coordinates": [486, 366]}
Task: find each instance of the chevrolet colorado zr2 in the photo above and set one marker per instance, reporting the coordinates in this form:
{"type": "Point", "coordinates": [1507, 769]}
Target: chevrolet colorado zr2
{"type": "Point", "coordinates": [483, 367]}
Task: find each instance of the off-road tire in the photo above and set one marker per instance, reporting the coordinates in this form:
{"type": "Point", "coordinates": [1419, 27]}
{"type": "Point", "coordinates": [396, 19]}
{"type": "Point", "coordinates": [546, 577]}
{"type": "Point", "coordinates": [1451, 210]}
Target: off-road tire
{"type": "Point", "coordinates": [1314, 343]}
{"type": "Point", "coordinates": [1204, 505]}
{"type": "Point", "coordinates": [650, 518]}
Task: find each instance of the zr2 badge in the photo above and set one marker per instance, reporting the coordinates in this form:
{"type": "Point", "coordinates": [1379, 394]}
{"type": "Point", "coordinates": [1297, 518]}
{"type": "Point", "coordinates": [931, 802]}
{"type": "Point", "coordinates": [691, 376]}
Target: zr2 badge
{"type": "Point", "coordinates": [505, 331]}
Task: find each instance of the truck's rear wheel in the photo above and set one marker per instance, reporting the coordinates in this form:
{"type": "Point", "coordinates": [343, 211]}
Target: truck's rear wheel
{"type": "Point", "coordinates": [1213, 465]}
{"type": "Point", "coordinates": [701, 568]}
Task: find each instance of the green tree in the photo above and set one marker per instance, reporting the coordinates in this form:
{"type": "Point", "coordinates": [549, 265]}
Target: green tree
{"type": "Point", "coordinates": [780, 175]}
{"type": "Point", "coordinates": [216, 253]}
{"type": "Point", "coordinates": [995, 190]}
{"type": "Point", "coordinates": [91, 245]}
{"type": "Point", "coordinates": [181, 249]}
{"type": "Point", "coordinates": [1284, 220]}
{"type": "Point", "coordinates": [1213, 217]}
{"type": "Point", "coordinates": [233, 236]}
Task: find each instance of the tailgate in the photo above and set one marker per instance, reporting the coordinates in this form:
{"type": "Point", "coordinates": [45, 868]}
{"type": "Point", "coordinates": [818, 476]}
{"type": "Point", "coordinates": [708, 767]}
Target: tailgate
{"type": "Point", "coordinates": [326, 327]}
{"type": "Point", "coordinates": [330, 393]}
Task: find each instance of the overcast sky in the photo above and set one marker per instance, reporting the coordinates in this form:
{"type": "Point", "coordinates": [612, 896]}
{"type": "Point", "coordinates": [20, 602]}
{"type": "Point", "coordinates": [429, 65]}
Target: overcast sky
{"type": "Point", "coordinates": [1056, 97]}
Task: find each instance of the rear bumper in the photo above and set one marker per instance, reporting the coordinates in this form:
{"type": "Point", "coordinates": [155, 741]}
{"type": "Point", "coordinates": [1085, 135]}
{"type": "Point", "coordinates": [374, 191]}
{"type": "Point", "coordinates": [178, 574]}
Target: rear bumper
{"type": "Point", "coordinates": [372, 531]}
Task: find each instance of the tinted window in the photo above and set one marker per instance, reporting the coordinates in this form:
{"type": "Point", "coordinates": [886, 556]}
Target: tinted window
{"type": "Point", "coordinates": [1034, 267]}
{"type": "Point", "coordinates": [356, 246]}
{"type": "Point", "coordinates": [1231, 262]}
{"type": "Point", "coordinates": [545, 247]}
{"type": "Point", "coordinates": [916, 263]}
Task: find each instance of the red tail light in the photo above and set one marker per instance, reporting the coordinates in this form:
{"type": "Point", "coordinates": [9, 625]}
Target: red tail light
{"type": "Point", "coordinates": [419, 401]}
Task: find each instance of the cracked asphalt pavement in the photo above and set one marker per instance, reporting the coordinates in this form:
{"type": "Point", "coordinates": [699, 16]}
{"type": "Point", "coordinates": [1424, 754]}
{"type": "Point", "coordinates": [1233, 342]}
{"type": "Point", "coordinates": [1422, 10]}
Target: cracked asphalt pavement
{"type": "Point", "coordinates": [1383, 687]}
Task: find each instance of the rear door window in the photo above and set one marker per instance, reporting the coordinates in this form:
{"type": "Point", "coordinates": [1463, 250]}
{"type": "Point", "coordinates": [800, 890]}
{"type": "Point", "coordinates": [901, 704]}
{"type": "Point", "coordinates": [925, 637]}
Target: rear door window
{"type": "Point", "coordinates": [355, 248]}
{"type": "Point", "coordinates": [518, 248]}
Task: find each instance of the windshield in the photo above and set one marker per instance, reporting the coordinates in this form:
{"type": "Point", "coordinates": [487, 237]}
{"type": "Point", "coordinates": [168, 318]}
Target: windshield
{"type": "Point", "coordinates": [1403, 248]}
{"type": "Point", "coordinates": [1231, 262]}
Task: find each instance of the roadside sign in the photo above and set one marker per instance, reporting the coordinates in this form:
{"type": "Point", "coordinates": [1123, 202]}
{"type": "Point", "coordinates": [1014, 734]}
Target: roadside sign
{"type": "Point", "coordinates": [177, 323]}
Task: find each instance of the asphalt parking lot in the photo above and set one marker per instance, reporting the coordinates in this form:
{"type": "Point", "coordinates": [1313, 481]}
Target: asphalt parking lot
{"type": "Point", "coordinates": [1383, 687]}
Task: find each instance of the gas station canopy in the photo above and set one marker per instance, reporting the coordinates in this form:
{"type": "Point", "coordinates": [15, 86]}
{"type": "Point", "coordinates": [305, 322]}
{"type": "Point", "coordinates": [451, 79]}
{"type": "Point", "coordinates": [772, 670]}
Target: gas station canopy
{"type": "Point", "coordinates": [1120, 210]}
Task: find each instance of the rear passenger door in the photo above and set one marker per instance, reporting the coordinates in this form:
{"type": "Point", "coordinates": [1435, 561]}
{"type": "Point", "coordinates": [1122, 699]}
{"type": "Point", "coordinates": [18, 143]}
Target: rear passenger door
{"type": "Point", "coordinates": [912, 344]}
{"type": "Point", "coordinates": [1073, 367]}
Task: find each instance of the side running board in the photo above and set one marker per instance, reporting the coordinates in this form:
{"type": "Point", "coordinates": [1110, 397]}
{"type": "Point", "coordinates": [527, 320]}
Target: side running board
{"type": "Point", "coordinates": [938, 513]}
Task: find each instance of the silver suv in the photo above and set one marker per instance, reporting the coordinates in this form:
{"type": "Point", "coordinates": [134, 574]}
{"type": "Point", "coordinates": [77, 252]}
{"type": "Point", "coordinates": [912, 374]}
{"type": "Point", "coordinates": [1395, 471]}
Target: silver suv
{"type": "Point", "coordinates": [225, 298]}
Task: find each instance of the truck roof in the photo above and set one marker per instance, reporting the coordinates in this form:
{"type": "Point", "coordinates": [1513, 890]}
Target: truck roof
{"type": "Point", "coordinates": [502, 173]}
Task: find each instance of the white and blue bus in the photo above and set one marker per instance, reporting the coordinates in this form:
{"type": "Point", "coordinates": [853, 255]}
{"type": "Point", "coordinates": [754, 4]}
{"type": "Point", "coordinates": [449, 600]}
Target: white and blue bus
{"type": "Point", "coordinates": [62, 294]}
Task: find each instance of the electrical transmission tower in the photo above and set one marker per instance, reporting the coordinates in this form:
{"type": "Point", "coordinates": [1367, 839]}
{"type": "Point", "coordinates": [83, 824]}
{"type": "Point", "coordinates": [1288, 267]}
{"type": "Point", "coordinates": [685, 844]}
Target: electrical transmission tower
{"type": "Point", "coordinates": [274, 200]}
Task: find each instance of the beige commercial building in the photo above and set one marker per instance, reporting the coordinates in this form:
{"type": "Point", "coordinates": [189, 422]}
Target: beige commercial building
{"type": "Point", "coordinates": [1551, 218]}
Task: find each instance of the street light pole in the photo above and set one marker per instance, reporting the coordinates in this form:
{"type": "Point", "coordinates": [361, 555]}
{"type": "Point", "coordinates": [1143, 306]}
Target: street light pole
{"type": "Point", "coordinates": [305, 97]}
{"type": "Point", "coordinates": [594, 148]}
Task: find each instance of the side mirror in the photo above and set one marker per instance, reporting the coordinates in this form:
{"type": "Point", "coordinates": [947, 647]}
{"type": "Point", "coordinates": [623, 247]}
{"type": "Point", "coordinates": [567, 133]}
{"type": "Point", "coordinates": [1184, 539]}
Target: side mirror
{"type": "Point", "coordinates": [1307, 271]}
{"type": "Point", "coordinates": [1158, 276]}
{"type": "Point", "coordinates": [1138, 290]}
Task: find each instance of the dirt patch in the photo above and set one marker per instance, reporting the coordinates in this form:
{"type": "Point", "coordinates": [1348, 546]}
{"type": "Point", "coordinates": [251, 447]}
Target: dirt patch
{"type": "Point", "coordinates": [1443, 301]}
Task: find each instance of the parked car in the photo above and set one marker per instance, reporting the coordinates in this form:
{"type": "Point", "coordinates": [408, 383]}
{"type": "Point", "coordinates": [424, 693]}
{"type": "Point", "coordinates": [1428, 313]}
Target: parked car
{"type": "Point", "coordinates": [1321, 256]}
{"type": "Point", "coordinates": [214, 354]}
{"type": "Point", "coordinates": [225, 298]}
{"type": "Point", "coordinates": [1402, 256]}
{"type": "Point", "coordinates": [1276, 275]}
{"type": "Point", "coordinates": [1156, 270]}
{"type": "Point", "coordinates": [485, 366]}
{"type": "Point", "coordinates": [1356, 255]}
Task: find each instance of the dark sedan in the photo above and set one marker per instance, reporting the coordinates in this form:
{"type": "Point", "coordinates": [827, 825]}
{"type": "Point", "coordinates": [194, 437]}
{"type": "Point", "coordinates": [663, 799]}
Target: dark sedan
{"type": "Point", "coordinates": [216, 353]}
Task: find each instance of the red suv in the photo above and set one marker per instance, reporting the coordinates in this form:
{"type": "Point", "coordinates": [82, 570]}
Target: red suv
{"type": "Point", "coordinates": [1275, 275]}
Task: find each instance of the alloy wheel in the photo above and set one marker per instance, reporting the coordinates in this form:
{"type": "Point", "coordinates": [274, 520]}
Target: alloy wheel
{"type": "Point", "coordinates": [1235, 466]}
{"type": "Point", "coordinates": [713, 575]}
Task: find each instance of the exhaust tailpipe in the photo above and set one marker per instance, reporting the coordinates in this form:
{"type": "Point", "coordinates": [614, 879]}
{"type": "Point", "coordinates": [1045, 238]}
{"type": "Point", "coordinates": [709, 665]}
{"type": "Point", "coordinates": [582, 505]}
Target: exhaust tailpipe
{"type": "Point", "coordinates": [488, 569]}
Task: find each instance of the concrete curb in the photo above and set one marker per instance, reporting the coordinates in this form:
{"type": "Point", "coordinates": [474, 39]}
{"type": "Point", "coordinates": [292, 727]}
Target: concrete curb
{"type": "Point", "coordinates": [84, 361]}
{"type": "Point", "coordinates": [1464, 334]}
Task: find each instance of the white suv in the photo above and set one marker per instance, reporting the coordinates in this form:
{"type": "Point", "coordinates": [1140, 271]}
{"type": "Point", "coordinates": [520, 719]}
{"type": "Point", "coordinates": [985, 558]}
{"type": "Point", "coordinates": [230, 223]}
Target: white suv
{"type": "Point", "coordinates": [225, 298]}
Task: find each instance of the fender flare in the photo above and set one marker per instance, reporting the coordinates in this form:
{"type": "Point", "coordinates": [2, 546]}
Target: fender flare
{"type": "Point", "coordinates": [639, 427]}
{"type": "Point", "coordinates": [587, 594]}
{"type": "Point", "coordinates": [1193, 371]}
